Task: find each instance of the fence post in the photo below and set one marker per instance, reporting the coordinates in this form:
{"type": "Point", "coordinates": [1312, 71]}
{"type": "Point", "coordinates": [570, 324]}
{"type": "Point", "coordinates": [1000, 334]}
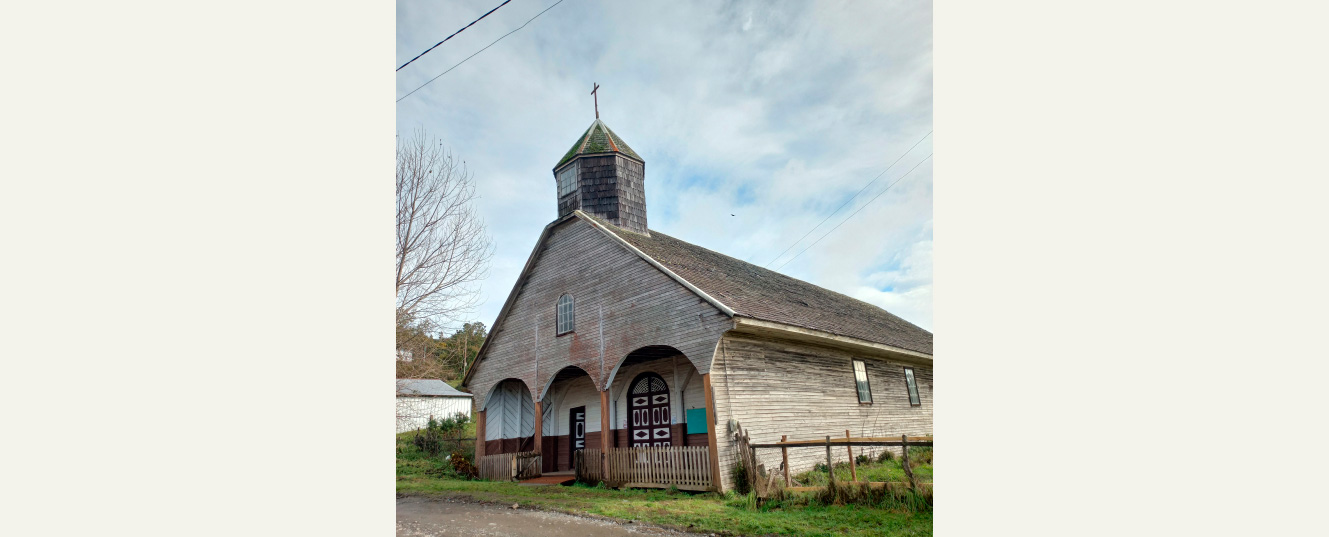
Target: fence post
{"type": "Point", "coordinates": [830, 468]}
{"type": "Point", "coordinates": [853, 470]}
{"type": "Point", "coordinates": [908, 472]}
{"type": "Point", "coordinates": [784, 454]}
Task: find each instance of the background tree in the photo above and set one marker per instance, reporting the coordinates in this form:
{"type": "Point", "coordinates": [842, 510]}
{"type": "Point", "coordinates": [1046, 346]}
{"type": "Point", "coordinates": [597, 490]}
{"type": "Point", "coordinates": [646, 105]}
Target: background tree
{"type": "Point", "coordinates": [443, 250]}
{"type": "Point", "coordinates": [418, 353]}
{"type": "Point", "coordinates": [459, 350]}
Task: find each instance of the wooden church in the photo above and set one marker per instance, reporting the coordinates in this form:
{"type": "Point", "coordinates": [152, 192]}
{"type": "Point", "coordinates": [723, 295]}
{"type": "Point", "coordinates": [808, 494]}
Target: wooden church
{"type": "Point", "coordinates": [616, 335]}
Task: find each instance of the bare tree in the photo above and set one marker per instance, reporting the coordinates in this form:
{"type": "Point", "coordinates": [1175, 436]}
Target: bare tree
{"type": "Point", "coordinates": [443, 250]}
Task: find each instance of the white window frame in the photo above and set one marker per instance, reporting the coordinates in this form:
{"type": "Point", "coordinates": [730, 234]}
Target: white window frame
{"type": "Point", "coordinates": [567, 179]}
{"type": "Point", "coordinates": [912, 384]}
{"type": "Point", "coordinates": [861, 367]}
{"type": "Point", "coordinates": [564, 324]}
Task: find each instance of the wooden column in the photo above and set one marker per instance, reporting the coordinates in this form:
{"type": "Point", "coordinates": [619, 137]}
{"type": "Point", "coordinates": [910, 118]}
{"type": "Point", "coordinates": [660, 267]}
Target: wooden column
{"type": "Point", "coordinates": [830, 467]}
{"type": "Point", "coordinates": [539, 426]}
{"type": "Point", "coordinates": [853, 472]}
{"type": "Point", "coordinates": [904, 462]}
{"type": "Point", "coordinates": [479, 436]}
{"type": "Point", "coordinates": [604, 433]}
{"type": "Point", "coordinates": [713, 444]}
{"type": "Point", "coordinates": [784, 454]}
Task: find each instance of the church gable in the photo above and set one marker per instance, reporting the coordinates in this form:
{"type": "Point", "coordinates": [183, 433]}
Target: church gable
{"type": "Point", "coordinates": [618, 303]}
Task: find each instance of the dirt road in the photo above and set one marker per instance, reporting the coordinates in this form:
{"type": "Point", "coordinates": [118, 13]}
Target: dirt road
{"type": "Point", "coordinates": [428, 517]}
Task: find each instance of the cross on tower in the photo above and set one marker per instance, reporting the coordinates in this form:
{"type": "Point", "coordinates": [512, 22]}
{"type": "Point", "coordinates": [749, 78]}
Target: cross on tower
{"type": "Point", "coordinates": [597, 99]}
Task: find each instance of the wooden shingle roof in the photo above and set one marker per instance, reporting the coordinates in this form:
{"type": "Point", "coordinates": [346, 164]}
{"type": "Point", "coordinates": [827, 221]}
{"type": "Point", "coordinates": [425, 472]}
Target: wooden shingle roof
{"type": "Point", "coordinates": [597, 139]}
{"type": "Point", "coordinates": [759, 293]}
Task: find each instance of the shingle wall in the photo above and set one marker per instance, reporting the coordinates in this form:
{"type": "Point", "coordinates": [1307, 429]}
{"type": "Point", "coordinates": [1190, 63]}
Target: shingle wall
{"type": "Point", "coordinates": [612, 187]}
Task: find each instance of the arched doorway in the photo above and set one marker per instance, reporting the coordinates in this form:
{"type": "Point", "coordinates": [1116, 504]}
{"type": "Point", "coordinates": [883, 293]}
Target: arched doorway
{"type": "Point", "coordinates": [571, 417]}
{"type": "Point", "coordinates": [649, 413]}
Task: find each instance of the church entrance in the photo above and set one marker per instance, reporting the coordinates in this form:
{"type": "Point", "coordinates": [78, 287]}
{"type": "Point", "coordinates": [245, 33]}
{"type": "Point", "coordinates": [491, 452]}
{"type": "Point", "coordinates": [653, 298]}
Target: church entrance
{"type": "Point", "coordinates": [650, 415]}
{"type": "Point", "coordinates": [576, 433]}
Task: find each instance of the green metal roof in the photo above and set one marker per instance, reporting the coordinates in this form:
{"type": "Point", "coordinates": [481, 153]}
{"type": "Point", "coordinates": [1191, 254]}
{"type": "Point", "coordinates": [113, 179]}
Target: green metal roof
{"type": "Point", "coordinates": [598, 139]}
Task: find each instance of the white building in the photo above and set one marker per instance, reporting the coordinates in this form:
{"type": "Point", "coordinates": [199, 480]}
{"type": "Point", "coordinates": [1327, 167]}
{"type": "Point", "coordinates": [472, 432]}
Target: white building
{"type": "Point", "coordinates": [418, 399]}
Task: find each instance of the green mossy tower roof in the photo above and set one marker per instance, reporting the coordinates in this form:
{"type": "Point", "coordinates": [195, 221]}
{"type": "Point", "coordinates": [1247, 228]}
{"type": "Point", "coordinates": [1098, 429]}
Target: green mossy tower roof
{"type": "Point", "coordinates": [597, 139]}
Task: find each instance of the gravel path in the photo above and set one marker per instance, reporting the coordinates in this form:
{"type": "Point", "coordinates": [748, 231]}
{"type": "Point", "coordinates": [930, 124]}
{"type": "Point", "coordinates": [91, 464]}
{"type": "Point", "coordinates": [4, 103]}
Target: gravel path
{"type": "Point", "coordinates": [430, 517]}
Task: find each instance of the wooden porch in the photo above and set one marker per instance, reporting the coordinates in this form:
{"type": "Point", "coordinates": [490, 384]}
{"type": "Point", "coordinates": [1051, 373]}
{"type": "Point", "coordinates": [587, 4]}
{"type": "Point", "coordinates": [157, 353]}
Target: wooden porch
{"type": "Point", "coordinates": [681, 467]}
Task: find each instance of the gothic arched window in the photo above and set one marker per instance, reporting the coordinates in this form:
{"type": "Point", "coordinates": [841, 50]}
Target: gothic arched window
{"type": "Point", "coordinates": [564, 314]}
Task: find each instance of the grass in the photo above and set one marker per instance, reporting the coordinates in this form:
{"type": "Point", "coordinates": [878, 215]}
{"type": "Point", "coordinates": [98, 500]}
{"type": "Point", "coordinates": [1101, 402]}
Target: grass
{"type": "Point", "coordinates": [891, 471]}
{"type": "Point", "coordinates": [729, 514]}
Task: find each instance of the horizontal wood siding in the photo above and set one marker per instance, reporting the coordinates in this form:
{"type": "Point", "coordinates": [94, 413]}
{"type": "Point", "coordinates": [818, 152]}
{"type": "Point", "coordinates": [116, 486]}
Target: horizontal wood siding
{"type": "Point", "coordinates": [641, 306]}
{"type": "Point", "coordinates": [776, 388]}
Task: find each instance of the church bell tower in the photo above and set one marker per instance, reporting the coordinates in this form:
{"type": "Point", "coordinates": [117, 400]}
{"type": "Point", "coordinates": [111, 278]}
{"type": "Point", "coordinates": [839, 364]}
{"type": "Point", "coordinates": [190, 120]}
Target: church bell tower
{"type": "Point", "coordinates": [601, 175]}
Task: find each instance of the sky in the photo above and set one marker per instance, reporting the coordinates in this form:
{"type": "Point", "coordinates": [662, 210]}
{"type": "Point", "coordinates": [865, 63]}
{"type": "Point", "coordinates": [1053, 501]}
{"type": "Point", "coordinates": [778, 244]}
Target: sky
{"type": "Point", "coordinates": [756, 120]}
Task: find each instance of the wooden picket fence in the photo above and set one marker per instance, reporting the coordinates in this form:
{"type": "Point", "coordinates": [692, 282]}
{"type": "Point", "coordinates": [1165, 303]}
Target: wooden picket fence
{"type": "Point", "coordinates": [510, 466]}
{"type": "Point", "coordinates": [586, 465]}
{"type": "Point", "coordinates": [682, 467]}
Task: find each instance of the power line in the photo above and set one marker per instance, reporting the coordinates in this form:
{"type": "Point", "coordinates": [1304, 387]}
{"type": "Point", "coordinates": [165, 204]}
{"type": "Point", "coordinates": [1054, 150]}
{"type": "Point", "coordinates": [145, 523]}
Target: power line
{"type": "Point", "coordinates": [537, 15]}
{"type": "Point", "coordinates": [851, 198]}
{"type": "Point", "coordinates": [874, 198]}
{"type": "Point", "coordinates": [505, 2]}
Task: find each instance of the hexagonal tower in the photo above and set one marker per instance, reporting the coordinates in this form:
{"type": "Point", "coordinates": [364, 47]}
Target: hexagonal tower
{"type": "Point", "coordinates": [602, 176]}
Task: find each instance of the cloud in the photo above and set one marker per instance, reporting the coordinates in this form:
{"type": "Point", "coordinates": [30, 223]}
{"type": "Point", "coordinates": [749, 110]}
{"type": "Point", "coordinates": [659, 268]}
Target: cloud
{"type": "Point", "coordinates": [776, 113]}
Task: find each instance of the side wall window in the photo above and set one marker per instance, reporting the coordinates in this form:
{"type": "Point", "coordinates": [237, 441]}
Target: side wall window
{"type": "Point", "coordinates": [565, 323]}
{"type": "Point", "coordinates": [913, 386]}
{"type": "Point", "coordinates": [861, 382]}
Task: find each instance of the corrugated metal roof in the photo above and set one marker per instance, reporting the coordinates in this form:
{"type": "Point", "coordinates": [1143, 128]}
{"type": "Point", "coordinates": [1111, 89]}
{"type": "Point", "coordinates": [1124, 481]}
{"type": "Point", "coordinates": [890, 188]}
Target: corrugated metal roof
{"type": "Point", "coordinates": [427, 388]}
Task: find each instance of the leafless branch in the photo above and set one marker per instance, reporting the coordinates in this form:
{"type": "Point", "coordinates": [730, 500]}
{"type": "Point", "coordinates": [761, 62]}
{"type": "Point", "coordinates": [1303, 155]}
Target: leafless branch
{"type": "Point", "coordinates": [443, 249]}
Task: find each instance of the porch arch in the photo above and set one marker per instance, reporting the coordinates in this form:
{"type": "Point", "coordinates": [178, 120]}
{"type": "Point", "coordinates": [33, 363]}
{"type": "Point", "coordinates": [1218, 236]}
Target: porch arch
{"type": "Point", "coordinates": [571, 417]}
{"type": "Point", "coordinates": [509, 417]}
{"type": "Point", "coordinates": [680, 377]}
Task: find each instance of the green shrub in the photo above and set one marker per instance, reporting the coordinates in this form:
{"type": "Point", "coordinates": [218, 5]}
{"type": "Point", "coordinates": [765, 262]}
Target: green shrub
{"type": "Point", "coordinates": [438, 434]}
{"type": "Point", "coordinates": [886, 455]}
{"type": "Point", "coordinates": [862, 458]}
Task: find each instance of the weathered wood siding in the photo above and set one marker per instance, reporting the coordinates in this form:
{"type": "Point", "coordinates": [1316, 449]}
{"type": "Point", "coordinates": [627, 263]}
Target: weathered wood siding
{"type": "Point", "coordinates": [621, 303]}
{"type": "Point", "coordinates": [776, 388]}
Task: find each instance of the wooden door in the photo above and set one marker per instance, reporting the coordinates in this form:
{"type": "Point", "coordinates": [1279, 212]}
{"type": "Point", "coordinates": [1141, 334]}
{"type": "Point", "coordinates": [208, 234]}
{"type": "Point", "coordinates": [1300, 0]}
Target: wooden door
{"type": "Point", "coordinates": [649, 412]}
{"type": "Point", "coordinates": [576, 432]}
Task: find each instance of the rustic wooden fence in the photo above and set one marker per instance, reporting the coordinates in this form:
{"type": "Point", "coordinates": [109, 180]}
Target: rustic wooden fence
{"type": "Point", "coordinates": [682, 467]}
{"type": "Point", "coordinates": [510, 466]}
{"type": "Point", "coordinates": [848, 442]}
{"type": "Point", "coordinates": [586, 465]}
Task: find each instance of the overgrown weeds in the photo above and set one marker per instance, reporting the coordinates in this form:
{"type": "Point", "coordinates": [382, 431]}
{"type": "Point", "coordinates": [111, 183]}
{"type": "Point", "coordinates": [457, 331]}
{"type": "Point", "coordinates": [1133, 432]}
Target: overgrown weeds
{"type": "Point", "coordinates": [439, 434]}
{"type": "Point", "coordinates": [891, 496]}
{"type": "Point", "coordinates": [920, 455]}
{"type": "Point", "coordinates": [740, 474]}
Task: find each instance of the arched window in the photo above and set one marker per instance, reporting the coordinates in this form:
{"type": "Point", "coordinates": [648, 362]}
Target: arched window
{"type": "Point", "coordinates": [564, 314]}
